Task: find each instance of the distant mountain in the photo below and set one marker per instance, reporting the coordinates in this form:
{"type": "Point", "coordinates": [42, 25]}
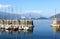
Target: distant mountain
{"type": "Point", "coordinates": [33, 15]}
{"type": "Point", "coordinates": [55, 16]}
{"type": "Point", "coordinates": [4, 15]}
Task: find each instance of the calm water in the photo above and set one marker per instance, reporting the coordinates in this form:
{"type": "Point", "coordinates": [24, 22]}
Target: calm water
{"type": "Point", "coordinates": [42, 30]}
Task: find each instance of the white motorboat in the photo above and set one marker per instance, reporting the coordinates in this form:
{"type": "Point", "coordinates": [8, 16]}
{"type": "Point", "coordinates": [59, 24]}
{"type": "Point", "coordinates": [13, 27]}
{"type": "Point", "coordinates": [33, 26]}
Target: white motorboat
{"type": "Point", "coordinates": [23, 27]}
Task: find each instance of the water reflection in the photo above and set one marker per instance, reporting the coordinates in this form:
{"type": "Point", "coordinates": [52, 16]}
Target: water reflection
{"type": "Point", "coordinates": [56, 30]}
{"type": "Point", "coordinates": [20, 34]}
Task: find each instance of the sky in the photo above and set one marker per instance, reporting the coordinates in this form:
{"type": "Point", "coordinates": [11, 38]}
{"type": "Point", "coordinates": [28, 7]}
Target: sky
{"type": "Point", "coordinates": [43, 7]}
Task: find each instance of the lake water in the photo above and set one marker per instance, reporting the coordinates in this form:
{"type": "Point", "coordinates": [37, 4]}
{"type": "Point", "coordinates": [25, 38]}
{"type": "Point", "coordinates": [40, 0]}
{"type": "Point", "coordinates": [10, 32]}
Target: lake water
{"type": "Point", "coordinates": [42, 30]}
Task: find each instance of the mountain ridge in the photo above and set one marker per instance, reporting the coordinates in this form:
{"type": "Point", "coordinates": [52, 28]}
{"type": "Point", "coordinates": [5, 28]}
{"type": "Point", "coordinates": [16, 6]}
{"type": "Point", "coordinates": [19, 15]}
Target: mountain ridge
{"type": "Point", "coordinates": [4, 15]}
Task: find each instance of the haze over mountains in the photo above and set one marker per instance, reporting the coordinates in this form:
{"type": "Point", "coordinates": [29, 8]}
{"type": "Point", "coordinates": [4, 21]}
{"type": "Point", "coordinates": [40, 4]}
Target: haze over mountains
{"type": "Point", "coordinates": [4, 15]}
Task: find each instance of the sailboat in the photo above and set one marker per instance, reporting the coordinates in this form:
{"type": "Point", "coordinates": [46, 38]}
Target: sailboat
{"type": "Point", "coordinates": [56, 23]}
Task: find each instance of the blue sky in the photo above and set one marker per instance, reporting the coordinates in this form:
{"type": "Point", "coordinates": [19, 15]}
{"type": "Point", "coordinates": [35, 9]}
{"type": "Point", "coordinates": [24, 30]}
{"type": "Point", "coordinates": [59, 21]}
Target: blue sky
{"type": "Point", "coordinates": [44, 7]}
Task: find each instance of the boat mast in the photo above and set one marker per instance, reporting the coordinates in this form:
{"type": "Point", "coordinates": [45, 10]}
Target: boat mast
{"type": "Point", "coordinates": [12, 19]}
{"type": "Point", "coordinates": [30, 17]}
{"type": "Point", "coordinates": [55, 14]}
{"type": "Point", "coordinates": [11, 12]}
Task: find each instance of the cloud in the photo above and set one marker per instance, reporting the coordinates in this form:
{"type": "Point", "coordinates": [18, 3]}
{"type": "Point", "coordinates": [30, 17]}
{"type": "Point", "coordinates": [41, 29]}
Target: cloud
{"type": "Point", "coordinates": [31, 11]}
{"type": "Point", "coordinates": [4, 6]}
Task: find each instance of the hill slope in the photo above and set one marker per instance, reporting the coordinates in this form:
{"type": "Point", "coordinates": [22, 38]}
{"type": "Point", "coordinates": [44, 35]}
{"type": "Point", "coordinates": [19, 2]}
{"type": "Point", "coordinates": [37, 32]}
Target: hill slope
{"type": "Point", "coordinates": [56, 16]}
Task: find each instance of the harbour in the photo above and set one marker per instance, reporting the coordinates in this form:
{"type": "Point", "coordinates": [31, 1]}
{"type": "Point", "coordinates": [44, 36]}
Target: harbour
{"type": "Point", "coordinates": [29, 19]}
{"type": "Point", "coordinates": [38, 32]}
